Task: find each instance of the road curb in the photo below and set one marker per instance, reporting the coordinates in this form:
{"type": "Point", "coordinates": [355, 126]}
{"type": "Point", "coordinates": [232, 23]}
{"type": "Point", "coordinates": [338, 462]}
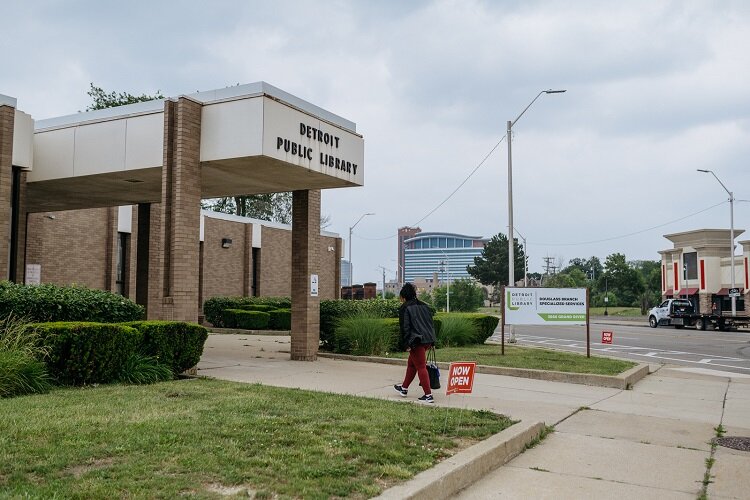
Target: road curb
{"type": "Point", "coordinates": [624, 380]}
{"type": "Point", "coordinates": [467, 466]}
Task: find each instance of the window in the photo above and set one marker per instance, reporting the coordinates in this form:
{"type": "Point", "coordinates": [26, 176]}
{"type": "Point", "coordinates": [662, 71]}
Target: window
{"type": "Point", "coordinates": [690, 265]}
{"type": "Point", "coordinates": [451, 242]}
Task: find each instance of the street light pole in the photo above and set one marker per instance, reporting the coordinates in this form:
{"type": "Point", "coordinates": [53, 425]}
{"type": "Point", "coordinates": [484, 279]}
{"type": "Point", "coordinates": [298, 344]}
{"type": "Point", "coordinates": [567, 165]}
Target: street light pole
{"type": "Point", "coordinates": [525, 260]}
{"type": "Point", "coordinates": [731, 234]}
{"type": "Point", "coordinates": [511, 249]}
{"type": "Point", "coordinates": [351, 268]}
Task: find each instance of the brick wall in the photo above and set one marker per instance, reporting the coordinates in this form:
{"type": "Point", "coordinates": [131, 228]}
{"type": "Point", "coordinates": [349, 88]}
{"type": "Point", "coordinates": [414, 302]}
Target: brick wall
{"type": "Point", "coordinates": [71, 246]}
{"type": "Point", "coordinates": [224, 269]}
{"type": "Point", "coordinates": [7, 120]}
{"type": "Point", "coordinates": [330, 268]}
{"type": "Point", "coordinates": [275, 262]}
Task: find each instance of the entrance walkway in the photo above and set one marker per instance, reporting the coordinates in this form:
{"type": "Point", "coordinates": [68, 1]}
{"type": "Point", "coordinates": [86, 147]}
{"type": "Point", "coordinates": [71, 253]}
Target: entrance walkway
{"type": "Point", "coordinates": [649, 442]}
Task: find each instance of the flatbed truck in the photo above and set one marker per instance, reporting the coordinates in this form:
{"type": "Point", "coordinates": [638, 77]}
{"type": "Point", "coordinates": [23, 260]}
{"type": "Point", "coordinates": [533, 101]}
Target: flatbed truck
{"type": "Point", "coordinates": [681, 313]}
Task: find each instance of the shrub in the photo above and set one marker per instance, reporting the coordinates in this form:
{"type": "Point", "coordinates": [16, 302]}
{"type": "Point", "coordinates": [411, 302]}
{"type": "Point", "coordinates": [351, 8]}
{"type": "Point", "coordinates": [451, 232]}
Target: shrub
{"type": "Point", "coordinates": [174, 344]}
{"type": "Point", "coordinates": [142, 369]}
{"type": "Point", "coordinates": [364, 335]}
{"type": "Point", "coordinates": [280, 319]}
{"type": "Point", "coordinates": [21, 373]}
{"type": "Point", "coordinates": [485, 325]}
{"type": "Point", "coordinates": [246, 320]}
{"type": "Point", "coordinates": [257, 307]}
{"type": "Point", "coordinates": [332, 311]}
{"type": "Point", "coordinates": [84, 353]}
{"type": "Point", "coordinates": [456, 331]}
{"type": "Point", "coordinates": [43, 303]}
{"type": "Point", "coordinates": [214, 307]}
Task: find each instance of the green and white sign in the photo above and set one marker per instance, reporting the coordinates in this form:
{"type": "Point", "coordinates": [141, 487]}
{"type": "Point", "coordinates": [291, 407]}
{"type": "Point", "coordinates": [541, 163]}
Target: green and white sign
{"type": "Point", "coordinates": [544, 306]}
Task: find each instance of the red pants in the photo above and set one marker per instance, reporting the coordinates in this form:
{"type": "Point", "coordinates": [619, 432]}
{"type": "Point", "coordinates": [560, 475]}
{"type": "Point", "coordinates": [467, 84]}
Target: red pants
{"type": "Point", "coordinates": [417, 365]}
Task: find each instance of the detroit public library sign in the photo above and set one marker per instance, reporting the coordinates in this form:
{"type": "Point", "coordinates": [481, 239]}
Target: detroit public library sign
{"type": "Point", "coordinates": [326, 159]}
{"type": "Point", "coordinates": [541, 306]}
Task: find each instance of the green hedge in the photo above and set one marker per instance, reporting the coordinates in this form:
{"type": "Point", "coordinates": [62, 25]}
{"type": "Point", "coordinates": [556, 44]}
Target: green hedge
{"type": "Point", "coordinates": [280, 319]}
{"type": "Point", "coordinates": [246, 320]}
{"type": "Point", "coordinates": [178, 345]}
{"type": "Point", "coordinates": [257, 307]}
{"type": "Point", "coordinates": [213, 308]}
{"type": "Point", "coordinates": [50, 303]}
{"type": "Point", "coordinates": [484, 324]}
{"type": "Point", "coordinates": [85, 353]}
{"type": "Point", "coordinates": [331, 311]}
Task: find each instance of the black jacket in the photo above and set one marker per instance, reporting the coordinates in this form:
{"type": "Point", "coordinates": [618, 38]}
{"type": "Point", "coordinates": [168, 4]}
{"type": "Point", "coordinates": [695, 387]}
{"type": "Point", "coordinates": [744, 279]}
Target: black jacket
{"type": "Point", "coordinates": [415, 322]}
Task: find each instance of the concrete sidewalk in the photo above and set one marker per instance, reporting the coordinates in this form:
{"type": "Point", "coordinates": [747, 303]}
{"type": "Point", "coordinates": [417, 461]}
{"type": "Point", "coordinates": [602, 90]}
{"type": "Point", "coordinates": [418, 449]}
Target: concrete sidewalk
{"type": "Point", "coordinates": [649, 442]}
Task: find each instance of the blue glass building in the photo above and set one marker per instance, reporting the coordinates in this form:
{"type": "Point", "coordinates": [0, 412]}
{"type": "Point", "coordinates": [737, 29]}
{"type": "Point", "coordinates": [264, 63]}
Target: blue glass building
{"type": "Point", "coordinates": [446, 254]}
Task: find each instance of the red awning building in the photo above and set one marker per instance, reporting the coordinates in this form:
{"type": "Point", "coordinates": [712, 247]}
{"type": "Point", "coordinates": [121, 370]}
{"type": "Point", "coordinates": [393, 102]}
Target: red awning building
{"type": "Point", "coordinates": [699, 267]}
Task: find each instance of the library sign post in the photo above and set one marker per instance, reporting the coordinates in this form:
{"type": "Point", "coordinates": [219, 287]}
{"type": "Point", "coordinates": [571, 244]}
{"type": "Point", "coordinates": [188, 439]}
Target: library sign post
{"type": "Point", "coordinates": [546, 306]}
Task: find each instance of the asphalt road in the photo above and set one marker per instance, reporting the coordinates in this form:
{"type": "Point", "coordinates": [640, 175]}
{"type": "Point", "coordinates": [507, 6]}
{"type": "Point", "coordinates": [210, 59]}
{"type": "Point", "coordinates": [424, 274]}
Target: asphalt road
{"type": "Point", "coordinates": [724, 351]}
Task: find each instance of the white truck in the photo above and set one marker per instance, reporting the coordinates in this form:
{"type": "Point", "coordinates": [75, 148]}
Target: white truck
{"type": "Point", "coordinates": [681, 313]}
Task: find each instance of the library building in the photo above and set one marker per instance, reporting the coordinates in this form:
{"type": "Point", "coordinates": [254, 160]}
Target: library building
{"type": "Point", "coordinates": [111, 199]}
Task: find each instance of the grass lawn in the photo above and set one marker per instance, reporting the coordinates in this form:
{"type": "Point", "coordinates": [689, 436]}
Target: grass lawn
{"type": "Point", "coordinates": [617, 311]}
{"type": "Point", "coordinates": [529, 357]}
{"type": "Point", "coordinates": [203, 437]}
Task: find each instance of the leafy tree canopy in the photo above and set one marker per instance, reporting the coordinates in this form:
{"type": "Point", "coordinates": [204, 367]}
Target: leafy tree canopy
{"type": "Point", "coordinates": [491, 268]}
{"type": "Point", "coordinates": [102, 99]}
{"type": "Point", "coordinates": [465, 296]}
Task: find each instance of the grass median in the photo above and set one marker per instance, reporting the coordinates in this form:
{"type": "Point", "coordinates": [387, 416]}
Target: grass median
{"type": "Point", "coordinates": [530, 357]}
{"type": "Point", "coordinates": [206, 438]}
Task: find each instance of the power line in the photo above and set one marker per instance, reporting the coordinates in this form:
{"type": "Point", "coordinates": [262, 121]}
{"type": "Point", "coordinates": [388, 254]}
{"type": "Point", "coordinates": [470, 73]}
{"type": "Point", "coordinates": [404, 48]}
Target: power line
{"type": "Point", "coordinates": [628, 234]}
{"type": "Point", "coordinates": [446, 198]}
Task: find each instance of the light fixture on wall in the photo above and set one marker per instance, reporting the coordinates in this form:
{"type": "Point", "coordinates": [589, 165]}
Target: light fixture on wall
{"type": "Point", "coordinates": [226, 242]}
{"type": "Point", "coordinates": [331, 249]}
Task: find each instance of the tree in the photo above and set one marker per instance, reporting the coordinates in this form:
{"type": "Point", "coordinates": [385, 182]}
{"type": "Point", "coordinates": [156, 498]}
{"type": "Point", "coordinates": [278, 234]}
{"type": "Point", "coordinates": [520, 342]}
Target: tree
{"type": "Point", "coordinates": [623, 280]}
{"type": "Point", "coordinates": [465, 296]}
{"type": "Point", "coordinates": [101, 99]}
{"type": "Point", "coordinates": [491, 268]}
{"type": "Point", "coordinates": [592, 267]}
{"type": "Point", "coordinates": [275, 207]}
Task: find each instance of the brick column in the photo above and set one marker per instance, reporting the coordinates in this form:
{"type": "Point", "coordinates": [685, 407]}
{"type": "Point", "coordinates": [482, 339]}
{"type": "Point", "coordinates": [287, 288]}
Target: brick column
{"type": "Point", "coordinates": [179, 217]}
{"type": "Point", "coordinates": [305, 261]}
{"type": "Point", "coordinates": [7, 120]}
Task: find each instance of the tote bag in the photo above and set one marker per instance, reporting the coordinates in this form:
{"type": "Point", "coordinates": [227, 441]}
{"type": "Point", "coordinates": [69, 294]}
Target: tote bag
{"type": "Point", "coordinates": [432, 369]}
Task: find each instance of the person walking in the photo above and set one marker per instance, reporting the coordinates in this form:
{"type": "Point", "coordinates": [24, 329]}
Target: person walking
{"type": "Point", "coordinates": [418, 335]}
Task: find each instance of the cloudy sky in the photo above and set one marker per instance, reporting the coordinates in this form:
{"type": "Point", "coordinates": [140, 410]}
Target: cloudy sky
{"type": "Point", "coordinates": [655, 90]}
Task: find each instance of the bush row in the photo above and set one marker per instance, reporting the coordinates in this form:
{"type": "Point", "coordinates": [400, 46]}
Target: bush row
{"type": "Point", "coordinates": [213, 308]}
{"type": "Point", "coordinates": [78, 353]}
{"type": "Point", "coordinates": [367, 335]}
{"type": "Point", "coordinates": [275, 319]}
{"type": "Point", "coordinates": [45, 303]}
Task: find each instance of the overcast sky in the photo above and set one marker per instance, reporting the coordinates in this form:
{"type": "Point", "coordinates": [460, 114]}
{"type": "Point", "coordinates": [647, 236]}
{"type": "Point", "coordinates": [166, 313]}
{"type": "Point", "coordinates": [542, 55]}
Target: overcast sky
{"type": "Point", "coordinates": [655, 90]}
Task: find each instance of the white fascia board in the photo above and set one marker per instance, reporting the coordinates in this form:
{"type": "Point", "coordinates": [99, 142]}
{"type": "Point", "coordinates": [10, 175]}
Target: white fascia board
{"type": "Point", "coordinates": [207, 97]}
{"type": "Point", "coordinates": [101, 115]}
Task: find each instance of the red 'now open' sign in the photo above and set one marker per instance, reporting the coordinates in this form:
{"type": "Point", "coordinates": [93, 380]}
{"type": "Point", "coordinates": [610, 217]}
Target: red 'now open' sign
{"type": "Point", "coordinates": [606, 337]}
{"type": "Point", "coordinates": [460, 378]}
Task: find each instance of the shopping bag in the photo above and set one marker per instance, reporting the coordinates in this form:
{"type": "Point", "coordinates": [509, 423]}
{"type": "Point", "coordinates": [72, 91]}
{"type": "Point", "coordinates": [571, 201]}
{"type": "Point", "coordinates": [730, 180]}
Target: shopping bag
{"type": "Point", "coordinates": [432, 369]}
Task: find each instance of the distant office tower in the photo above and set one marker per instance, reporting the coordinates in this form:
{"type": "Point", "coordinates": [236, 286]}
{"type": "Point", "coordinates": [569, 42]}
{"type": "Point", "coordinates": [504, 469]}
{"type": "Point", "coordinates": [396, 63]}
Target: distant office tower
{"type": "Point", "coordinates": [404, 233]}
{"type": "Point", "coordinates": [346, 277]}
{"type": "Point", "coordinates": [447, 254]}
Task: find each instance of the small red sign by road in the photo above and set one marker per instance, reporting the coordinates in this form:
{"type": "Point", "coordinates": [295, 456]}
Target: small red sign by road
{"type": "Point", "coordinates": [606, 337]}
{"type": "Point", "coordinates": [460, 378]}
